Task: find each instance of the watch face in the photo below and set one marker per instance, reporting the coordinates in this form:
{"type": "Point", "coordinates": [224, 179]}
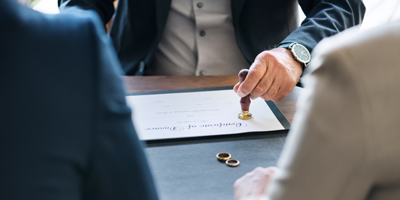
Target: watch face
{"type": "Point", "coordinates": [301, 53]}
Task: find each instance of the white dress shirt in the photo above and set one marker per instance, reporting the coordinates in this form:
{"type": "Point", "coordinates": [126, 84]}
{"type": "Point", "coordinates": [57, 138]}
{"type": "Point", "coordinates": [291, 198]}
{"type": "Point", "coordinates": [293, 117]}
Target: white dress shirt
{"type": "Point", "coordinates": [198, 39]}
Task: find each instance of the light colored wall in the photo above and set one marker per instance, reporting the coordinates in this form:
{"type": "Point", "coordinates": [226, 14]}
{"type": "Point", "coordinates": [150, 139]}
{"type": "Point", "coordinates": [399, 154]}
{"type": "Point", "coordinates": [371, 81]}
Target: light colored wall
{"type": "Point", "coordinates": [380, 12]}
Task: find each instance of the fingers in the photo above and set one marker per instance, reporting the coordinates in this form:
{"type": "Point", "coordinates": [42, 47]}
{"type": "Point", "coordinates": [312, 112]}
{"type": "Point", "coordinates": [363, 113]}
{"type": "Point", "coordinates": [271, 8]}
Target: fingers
{"type": "Point", "coordinates": [264, 85]}
{"type": "Point", "coordinates": [259, 174]}
{"type": "Point", "coordinates": [277, 91]}
{"type": "Point", "coordinates": [272, 91]}
{"type": "Point", "coordinates": [272, 76]}
{"type": "Point", "coordinates": [263, 171]}
{"type": "Point", "coordinates": [282, 93]}
{"type": "Point", "coordinates": [236, 87]}
{"type": "Point", "coordinates": [256, 73]}
{"type": "Point", "coordinates": [254, 184]}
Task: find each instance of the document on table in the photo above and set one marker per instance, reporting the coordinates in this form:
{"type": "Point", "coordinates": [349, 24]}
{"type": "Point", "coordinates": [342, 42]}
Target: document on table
{"type": "Point", "coordinates": [198, 114]}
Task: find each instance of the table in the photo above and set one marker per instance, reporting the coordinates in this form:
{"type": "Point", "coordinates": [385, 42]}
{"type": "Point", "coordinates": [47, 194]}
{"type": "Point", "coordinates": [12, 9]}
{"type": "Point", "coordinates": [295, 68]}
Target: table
{"type": "Point", "coordinates": [189, 169]}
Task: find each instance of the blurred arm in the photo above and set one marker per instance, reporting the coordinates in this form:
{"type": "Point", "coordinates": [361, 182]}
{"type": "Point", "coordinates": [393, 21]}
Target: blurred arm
{"type": "Point", "coordinates": [104, 8]}
{"type": "Point", "coordinates": [325, 156]}
{"type": "Point", "coordinates": [118, 167]}
{"type": "Point", "coordinates": [325, 18]}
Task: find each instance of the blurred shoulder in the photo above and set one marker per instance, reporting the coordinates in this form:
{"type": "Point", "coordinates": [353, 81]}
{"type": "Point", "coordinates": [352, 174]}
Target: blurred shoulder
{"type": "Point", "coordinates": [354, 38]}
{"type": "Point", "coordinates": [71, 24]}
{"type": "Point", "coordinates": [353, 48]}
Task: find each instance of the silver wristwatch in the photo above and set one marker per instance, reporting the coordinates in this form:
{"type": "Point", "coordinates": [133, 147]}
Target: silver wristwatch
{"type": "Point", "coordinates": [300, 53]}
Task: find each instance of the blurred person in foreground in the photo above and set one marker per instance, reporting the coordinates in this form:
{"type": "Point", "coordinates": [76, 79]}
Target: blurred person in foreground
{"type": "Point", "coordinates": [344, 140]}
{"type": "Point", "coordinates": [65, 129]}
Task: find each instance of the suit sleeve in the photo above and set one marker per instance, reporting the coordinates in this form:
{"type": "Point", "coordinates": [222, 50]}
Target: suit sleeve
{"type": "Point", "coordinates": [118, 166]}
{"type": "Point", "coordinates": [325, 155]}
{"type": "Point", "coordinates": [104, 8]}
{"type": "Point", "coordinates": [325, 18]}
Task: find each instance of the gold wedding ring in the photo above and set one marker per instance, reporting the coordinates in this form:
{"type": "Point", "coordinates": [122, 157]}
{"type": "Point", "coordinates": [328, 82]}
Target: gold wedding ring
{"type": "Point", "coordinates": [223, 156]}
{"type": "Point", "coordinates": [232, 162]}
{"type": "Point", "coordinates": [227, 158]}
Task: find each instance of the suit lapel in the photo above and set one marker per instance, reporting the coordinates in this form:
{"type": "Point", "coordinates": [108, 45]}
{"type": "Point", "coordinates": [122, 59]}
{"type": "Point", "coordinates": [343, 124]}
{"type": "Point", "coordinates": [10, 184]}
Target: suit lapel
{"type": "Point", "coordinates": [236, 6]}
{"type": "Point", "coordinates": [162, 10]}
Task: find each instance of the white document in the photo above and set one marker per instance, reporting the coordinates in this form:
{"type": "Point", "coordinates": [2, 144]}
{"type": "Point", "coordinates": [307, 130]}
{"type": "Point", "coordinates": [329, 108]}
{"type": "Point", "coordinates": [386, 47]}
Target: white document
{"type": "Point", "coordinates": [196, 114]}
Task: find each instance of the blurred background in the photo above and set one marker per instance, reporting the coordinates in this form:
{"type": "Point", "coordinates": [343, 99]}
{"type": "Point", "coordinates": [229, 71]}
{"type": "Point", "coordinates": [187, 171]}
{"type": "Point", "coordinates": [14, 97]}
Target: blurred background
{"type": "Point", "coordinates": [378, 11]}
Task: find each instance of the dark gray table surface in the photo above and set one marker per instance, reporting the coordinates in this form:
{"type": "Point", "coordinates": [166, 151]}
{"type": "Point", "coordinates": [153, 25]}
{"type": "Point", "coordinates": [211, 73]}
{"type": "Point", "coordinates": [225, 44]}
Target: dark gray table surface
{"type": "Point", "coordinates": [190, 170]}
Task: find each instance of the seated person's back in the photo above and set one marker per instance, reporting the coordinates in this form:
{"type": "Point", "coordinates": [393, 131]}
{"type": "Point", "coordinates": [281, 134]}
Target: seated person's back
{"type": "Point", "coordinates": [65, 129]}
{"type": "Point", "coordinates": [344, 142]}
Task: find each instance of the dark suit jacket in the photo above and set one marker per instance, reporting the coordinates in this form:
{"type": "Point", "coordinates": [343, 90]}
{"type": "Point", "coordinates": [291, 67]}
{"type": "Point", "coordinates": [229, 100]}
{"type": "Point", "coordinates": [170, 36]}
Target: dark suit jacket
{"type": "Point", "coordinates": [65, 129]}
{"type": "Point", "coordinates": [259, 24]}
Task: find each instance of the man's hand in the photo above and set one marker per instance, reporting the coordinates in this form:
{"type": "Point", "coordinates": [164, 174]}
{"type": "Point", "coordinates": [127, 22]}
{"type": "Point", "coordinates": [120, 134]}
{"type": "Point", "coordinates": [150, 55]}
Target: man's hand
{"type": "Point", "coordinates": [272, 76]}
{"type": "Point", "coordinates": [253, 185]}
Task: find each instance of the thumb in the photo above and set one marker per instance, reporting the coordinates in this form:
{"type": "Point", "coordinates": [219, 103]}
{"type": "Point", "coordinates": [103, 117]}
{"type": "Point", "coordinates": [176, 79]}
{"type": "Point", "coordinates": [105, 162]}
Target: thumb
{"type": "Point", "coordinates": [236, 87]}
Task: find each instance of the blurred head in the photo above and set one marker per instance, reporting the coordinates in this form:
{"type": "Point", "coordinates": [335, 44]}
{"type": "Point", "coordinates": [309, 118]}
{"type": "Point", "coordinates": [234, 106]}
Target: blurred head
{"type": "Point", "coordinates": [24, 2]}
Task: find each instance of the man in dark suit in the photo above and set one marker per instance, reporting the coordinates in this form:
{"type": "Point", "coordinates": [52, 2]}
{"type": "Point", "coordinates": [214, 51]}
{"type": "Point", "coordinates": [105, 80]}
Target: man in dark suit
{"type": "Point", "coordinates": [204, 37]}
{"type": "Point", "coordinates": [65, 129]}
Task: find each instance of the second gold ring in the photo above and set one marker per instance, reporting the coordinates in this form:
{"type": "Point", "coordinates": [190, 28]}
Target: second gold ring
{"type": "Point", "coordinates": [232, 162]}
